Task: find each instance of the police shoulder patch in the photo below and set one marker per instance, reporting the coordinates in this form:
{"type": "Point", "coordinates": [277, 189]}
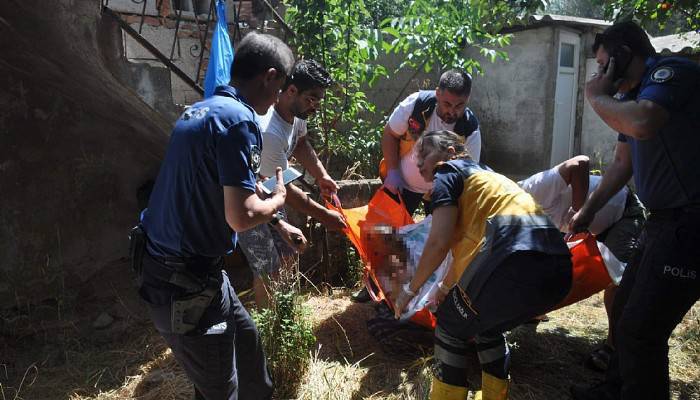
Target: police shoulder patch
{"type": "Point", "coordinates": [662, 74]}
{"type": "Point", "coordinates": [255, 159]}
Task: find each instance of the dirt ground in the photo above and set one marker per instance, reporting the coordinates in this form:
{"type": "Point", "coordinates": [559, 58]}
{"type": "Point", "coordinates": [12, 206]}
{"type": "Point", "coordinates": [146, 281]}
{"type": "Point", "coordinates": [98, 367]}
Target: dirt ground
{"type": "Point", "coordinates": [52, 351]}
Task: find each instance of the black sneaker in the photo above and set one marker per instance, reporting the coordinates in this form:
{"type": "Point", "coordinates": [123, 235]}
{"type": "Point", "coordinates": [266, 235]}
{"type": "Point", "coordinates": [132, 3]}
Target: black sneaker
{"type": "Point", "coordinates": [601, 391]}
{"type": "Point", "coordinates": [361, 296]}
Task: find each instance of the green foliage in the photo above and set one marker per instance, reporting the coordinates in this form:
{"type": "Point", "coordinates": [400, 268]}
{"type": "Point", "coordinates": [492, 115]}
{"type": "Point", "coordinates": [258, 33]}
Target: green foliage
{"type": "Point", "coordinates": [434, 33]}
{"type": "Point", "coordinates": [655, 15]}
{"type": "Point", "coordinates": [336, 33]}
{"type": "Point", "coordinates": [353, 275]}
{"type": "Point", "coordinates": [380, 10]}
{"type": "Point", "coordinates": [287, 338]}
{"type": "Point", "coordinates": [576, 8]}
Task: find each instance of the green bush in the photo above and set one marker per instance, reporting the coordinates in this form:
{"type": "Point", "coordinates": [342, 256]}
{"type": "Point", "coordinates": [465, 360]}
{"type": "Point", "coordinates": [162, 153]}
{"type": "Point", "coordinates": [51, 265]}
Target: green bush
{"type": "Point", "coordinates": [287, 337]}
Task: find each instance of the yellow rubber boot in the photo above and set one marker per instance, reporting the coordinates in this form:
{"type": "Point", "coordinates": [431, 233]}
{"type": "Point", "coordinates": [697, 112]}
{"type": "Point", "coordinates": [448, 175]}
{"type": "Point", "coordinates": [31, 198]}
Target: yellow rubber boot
{"type": "Point", "coordinates": [492, 388]}
{"type": "Point", "coordinates": [440, 390]}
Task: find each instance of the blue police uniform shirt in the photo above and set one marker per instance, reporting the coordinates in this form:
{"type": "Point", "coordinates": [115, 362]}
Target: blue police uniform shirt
{"type": "Point", "coordinates": [665, 172]}
{"type": "Point", "coordinates": [215, 143]}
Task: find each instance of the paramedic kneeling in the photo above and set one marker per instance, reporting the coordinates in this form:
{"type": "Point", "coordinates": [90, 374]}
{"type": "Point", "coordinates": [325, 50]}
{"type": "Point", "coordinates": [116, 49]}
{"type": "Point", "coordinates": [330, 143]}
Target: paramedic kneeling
{"type": "Point", "coordinates": [658, 121]}
{"type": "Point", "coordinates": [205, 189]}
{"type": "Point", "coordinates": [510, 264]}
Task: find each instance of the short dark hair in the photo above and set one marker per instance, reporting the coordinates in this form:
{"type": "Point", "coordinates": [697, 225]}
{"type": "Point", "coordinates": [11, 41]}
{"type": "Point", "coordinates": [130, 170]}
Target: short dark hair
{"type": "Point", "coordinates": [309, 74]}
{"type": "Point", "coordinates": [257, 53]}
{"type": "Point", "coordinates": [625, 33]}
{"type": "Point", "coordinates": [456, 81]}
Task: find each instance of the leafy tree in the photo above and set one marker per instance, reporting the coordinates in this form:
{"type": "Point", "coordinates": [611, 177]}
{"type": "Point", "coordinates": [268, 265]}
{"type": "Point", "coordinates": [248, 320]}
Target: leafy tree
{"type": "Point", "coordinates": [578, 8]}
{"type": "Point", "coordinates": [382, 9]}
{"type": "Point", "coordinates": [657, 16]}
{"type": "Point", "coordinates": [339, 34]}
{"type": "Point", "coordinates": [434, 33]}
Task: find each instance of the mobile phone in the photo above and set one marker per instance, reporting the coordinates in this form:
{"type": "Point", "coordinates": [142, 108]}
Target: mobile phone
{"type": "Point", "coordinates": [622, 57]}
{"type": "Point", "coordinates": [289, 175]}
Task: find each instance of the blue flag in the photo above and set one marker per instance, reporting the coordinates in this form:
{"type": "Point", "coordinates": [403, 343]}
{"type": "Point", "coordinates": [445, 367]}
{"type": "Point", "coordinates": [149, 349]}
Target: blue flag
{"type": "Point", "coordinates": [220, 55]}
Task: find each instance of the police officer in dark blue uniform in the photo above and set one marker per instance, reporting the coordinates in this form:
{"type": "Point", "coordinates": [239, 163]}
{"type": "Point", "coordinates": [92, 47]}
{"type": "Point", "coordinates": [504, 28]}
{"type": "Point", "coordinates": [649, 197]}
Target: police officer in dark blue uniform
{"type": "Point", "coordinates": [205, 191]}
{"type": "Point", "coordinates": [658, 117]}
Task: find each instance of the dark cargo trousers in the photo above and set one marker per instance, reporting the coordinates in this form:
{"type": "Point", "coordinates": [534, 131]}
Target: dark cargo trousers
{"type": "Point", "coordinates": [524, 285]}
{"type": "Point", "coordinates": [658, 288]}
{"type": "Point", "coordinates": [223, 357]}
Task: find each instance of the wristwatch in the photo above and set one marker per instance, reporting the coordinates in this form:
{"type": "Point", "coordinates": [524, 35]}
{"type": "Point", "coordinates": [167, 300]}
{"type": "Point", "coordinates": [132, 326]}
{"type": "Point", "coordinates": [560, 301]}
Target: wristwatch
{"type": "Point", "coordinates": [276, 218]}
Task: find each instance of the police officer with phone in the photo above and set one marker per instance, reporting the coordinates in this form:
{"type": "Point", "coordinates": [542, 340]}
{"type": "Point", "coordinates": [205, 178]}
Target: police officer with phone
{"type": "Point", "coordinates": [658, 120]}
{"type": "Point", "coordinates": [205, 192]}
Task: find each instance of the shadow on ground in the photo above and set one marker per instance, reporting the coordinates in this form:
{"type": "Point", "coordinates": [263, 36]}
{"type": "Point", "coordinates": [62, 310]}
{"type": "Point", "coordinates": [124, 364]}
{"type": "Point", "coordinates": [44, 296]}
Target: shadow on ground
{"type": "Point", "coordinates": [59, 349]}
{"type": "Point", "coordinates": [547, 358]}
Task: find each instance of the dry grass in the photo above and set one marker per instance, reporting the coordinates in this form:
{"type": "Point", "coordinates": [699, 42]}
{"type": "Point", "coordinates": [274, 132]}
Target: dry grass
{"type": "Point", "coordinates": [548, 358]}
{"type": "Point", "coordinates": [64, 359]}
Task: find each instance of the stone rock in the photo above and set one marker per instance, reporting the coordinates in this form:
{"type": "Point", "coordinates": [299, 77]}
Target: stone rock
{"type": "Point", "coordinates": [103, 321]}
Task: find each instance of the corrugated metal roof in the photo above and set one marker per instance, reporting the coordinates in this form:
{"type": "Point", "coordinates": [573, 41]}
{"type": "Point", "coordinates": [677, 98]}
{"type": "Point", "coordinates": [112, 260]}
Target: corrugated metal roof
{"type": "Point", "coordinates": [537, 21]}
{"type": "Point", "coordinates": [684, 43]}
{"type": "Point", "coordinates": [569, 20]}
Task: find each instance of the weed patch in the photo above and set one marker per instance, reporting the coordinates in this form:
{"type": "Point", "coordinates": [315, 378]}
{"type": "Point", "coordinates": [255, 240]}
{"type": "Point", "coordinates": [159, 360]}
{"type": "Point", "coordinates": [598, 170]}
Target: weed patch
{"type": "Point", "coordinates": [287, 336]}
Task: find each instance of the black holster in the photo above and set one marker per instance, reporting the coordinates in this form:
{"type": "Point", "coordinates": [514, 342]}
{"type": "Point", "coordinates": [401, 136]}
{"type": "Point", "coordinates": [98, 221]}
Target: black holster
{"type": "Point", "coordinates": [196, 292]}
{"type": "Point", "coordinates": [137, 248]}
{"type": "Point", "coordinates": [187, 310]}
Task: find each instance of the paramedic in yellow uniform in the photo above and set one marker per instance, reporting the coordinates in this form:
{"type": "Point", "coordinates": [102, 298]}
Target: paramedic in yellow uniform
{"type": "Point", "coordinates": [510, 265]}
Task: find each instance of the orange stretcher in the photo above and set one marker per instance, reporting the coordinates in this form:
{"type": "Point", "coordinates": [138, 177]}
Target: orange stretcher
{"type": "Point", "coordinates": [590, 275]}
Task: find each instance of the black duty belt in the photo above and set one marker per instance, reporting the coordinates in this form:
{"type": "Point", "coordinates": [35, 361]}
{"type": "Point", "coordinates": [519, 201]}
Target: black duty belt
{"type": "Point", "coordinates": [691, 209]}
{"type": "Point", "coordinates": [190, 274]}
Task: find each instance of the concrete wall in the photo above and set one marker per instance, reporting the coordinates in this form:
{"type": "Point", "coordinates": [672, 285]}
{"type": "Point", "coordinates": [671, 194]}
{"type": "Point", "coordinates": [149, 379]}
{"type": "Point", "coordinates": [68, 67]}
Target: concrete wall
{"type": "Point", "coordinates": [597, 139]}
{"type": "Point", "coordinates": [387, 92]}
{"type": "Point", "coordinates": [514, 103]}
{"type": "Point", "coordinates": [76, 146]}
{"type": "Point", "coordinates": [185, 56]}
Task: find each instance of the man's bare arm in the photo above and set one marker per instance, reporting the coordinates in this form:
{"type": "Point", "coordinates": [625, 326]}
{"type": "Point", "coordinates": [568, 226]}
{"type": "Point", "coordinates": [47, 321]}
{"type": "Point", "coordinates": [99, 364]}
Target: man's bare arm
{"type": "Point", "coordinates": [640, 120]}
{"type": "Point", "coordinates": [615, 178]}
{"type": "Point", "coordinates": [575, 173]}
{"type": "Point", "coordinates": [307, 157]}
{"type": "Point", "coordinates": [300, 201]}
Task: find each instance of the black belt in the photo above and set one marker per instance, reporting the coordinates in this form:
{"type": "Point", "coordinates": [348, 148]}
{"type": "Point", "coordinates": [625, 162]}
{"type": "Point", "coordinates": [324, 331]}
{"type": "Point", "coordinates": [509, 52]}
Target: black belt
{"type": "Point", "coordinates": [692, 209]}
{"type": "Point", "coordinates": [190, 274]}
{"type": "Point", "coordinates": [197, 262]}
